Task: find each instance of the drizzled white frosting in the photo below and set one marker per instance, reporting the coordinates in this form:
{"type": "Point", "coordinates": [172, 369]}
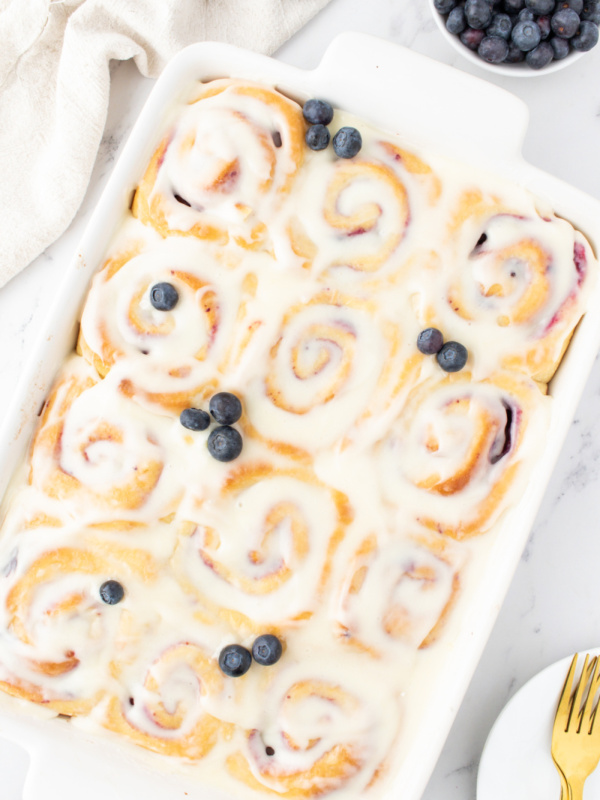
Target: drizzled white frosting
{"type": "Point", "coordinates": [396, 592]}
{"type": "Point", "coordinates": [230, 157]}
{"type": "Point", "coordinates": [265, 550]}
{"type": "Point", "coordinates": [351, 524]}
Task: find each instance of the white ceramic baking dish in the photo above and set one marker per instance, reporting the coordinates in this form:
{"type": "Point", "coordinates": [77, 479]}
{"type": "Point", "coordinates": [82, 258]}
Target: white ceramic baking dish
{"type": "Point", "coordinates": [441, 108]}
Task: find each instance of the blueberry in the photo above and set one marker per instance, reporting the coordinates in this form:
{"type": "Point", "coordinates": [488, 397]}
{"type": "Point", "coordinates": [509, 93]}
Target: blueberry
{"type": "Point", "coordinates": [526, 35]}
{"type": "Point", "coordinates": [591, 11]}
{"type": "Point", "coordinates": [347, 142]}
{"type": "Point", "coordinates": [527, 14]}
{"type": "Point", "coordinates": [224, 443]}
{"type": "Point", "coordinates": [164, 296]}
{"type": "Point", "coordinates": [452, 357]}
{"type": "Point", "coordinates": [540, 6]}
{"type": "Point", "coordinates": [586, 38]}
{"type": "Point", "coordinates": [225, 408]}
{"type": "Point", "coordinates": [267, 650]}
{"type": "Point", "coordinates": [235, 660]}
{"type": "Point", "coordinates": [513, 6]}
{"type": "Point", "coordinates": [444, 6]}
{"type": "Point", "coordinates": [430, 341]}
{"type": "Point", "coordinates": [493, 49]}
{"type": "Point", "coordinates": [501, 25]}
{"type": "Point", "coordinates": [471, 38]}
{"type": "Point", "coordinates": [545, 25]}
{"type": "Point", "coordinates": [565, 23]}
{"type": "Point", "coordinates": [560, 47]}
{"type": "Point", "coordinates": [317, 137]}
{"type": "Point", "coordinates": [515, 54]}
{"type": "Point", "coordinates": [112, 592]}
{"type": "Point", "coordinates": [478, 13]}
{"type": "Point", "coordinates": [194, 419]}
{"type": "Point", "coordinates": [576, 5]}
{"type": "Point", "coordinates": [317, 112]}
{"type": "Point", "coordinates": [540, 56]}
{"type": "Point", "coordinates": [456, 22]}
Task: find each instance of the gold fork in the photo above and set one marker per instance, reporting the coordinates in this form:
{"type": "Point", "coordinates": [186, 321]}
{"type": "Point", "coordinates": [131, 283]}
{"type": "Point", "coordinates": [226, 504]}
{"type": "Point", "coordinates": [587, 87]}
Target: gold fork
{"type": "Point", "coordinates": [576, 734]}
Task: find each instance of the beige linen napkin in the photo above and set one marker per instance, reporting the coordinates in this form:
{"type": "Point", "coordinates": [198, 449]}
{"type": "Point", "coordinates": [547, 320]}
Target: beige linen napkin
{"type": "Point", "coordinates": [54, 86]}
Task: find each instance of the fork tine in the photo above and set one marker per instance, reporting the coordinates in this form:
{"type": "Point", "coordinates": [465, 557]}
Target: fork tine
{"type": "Point", "coordinates": [579, 693]}
{"type": "Point", "coordinates": [595, 728]}
{"type": "Point", "coordinates": [574, 751]}
{"type": "Point", "coordinates": [589, 707]}
{"type": "Point", "coordinates": [563, 711]}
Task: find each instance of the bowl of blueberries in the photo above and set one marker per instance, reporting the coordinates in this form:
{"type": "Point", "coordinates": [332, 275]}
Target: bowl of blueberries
{"type": "Point", "coordinates": [519, 38]}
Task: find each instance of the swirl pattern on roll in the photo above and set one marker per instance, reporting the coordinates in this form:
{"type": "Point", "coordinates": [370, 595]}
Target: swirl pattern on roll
{"type": "Point", "coordinates": [221, 172]}
{"type": "Point", "coordinates": [261, 553]}
{"type": "Point", "coordinates": [166, 713]}
{"type": "Point", "coordinates": [97, 452]}
{"type": "Point", "coordinates": [173, 358]}
{"type": "Point", "coordinates": [119, 320]}
{"type": "Point", "coordinates": [318, 734]}
{"type": "Point", "coordinates": [520, 276]}
{"type": "Point", "coordinates": [67, 643]}
{"type": "Point", "coordinates": [453, 457]}
{"type": "Point", "coordinates": [398, 593]}
{"type": "Point", "coordinates": [331, 359]}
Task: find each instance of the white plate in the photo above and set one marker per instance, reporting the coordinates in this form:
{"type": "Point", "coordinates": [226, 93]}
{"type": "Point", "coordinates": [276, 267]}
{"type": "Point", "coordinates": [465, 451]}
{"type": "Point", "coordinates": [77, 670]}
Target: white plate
{"type": "Point", "coordinates": [516, 760]}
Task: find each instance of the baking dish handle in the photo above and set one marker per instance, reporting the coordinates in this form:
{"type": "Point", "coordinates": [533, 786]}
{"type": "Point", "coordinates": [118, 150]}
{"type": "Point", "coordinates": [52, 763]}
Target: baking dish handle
{"type": "Point", "coordinates": [475, 116]}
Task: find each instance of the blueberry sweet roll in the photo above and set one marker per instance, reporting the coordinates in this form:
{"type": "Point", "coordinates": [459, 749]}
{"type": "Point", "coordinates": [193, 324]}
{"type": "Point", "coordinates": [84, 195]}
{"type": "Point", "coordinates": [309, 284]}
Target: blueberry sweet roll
{"type": "Point", "coordinates": [166, 317]}
{"type": "Point", "coordinates": [360, 219]}
{"type": "Point", "coordinates": [163, 707]}
{"type": "Point", "coordinates": [99, 454]}
{"type": "Point", "coordinates": [71, 618]}
{"type": "Point", "coordinates": [355, 220]}
{"type": "Point", "coordinates": [522, 277]}
{"type": "Point", "coordinates": [318, 733]}
{"type": "Point", "coordinates": [332, 362]}
{"type": "Point", "coordinates": [398, 593]}
{"type": "Point", "coordinates": [453, 458]}
{"type": "Point", "coordinates": [225, 165]}
{"type": "Point", "coordinates": [260, 553]}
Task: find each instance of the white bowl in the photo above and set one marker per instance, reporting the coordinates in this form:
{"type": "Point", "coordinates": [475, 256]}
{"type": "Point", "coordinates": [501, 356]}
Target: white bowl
{"type": "Point", "coordinates": [521, 70]}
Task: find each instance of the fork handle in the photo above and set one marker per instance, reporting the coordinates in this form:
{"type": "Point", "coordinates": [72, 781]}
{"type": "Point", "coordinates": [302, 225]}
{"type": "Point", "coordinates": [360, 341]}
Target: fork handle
{"type": "Point", "coordinates": [576, 788]}
{"type": "Point", "coordinates": [565, 791]}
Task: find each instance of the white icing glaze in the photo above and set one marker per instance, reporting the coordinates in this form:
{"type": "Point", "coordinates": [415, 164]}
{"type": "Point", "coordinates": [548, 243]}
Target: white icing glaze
{"type": "Point", "coordinates": [395, 594]}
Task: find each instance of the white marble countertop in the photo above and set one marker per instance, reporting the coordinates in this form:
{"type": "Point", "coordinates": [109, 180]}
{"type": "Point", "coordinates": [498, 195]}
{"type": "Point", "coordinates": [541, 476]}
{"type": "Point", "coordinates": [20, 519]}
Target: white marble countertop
{"type": "Point", "coordinates": [552, 608]}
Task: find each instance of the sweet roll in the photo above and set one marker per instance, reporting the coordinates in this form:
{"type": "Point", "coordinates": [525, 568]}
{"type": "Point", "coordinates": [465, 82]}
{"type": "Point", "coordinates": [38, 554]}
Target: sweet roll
{"type": "Point", "coordinates": [398, 593]}
{"type": "Point", "coordinates": [165, 710]}
{"type": "Point", "coordinates": [519, 274]}
{"type": "Point", "coordinates": [224, 168]}
{"type": "Point", "coordinates": [317, 734]}
{"type": "Point", "coordinates": [333, 361]}
{"type": "Point", "coordinates": [355, 216]}
{"type": "Point", "coordinates": [167, 360]}
{"type": "Point", "coordinates": [453, 459]}
{"type": "Point", "coordinates": [99, 454]}
{"type": "Point", "coordinates": [66, 644]}
{"type": "Point", "coordinates": [260, 553]}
